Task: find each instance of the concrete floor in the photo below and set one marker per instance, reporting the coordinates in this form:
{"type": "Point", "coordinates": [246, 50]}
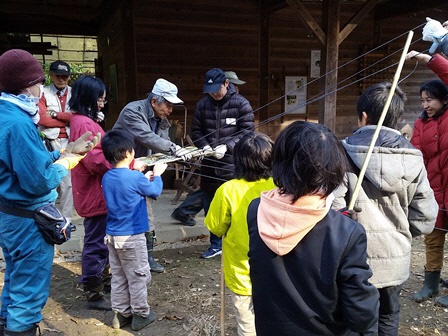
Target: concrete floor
{"type": "Point", "coordinates": [167, 229]}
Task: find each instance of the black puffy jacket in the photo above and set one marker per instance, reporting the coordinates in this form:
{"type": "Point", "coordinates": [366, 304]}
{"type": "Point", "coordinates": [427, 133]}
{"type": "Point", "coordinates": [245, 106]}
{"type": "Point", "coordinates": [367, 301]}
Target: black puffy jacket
{"type": "Point", "coordinates": [217, 122]}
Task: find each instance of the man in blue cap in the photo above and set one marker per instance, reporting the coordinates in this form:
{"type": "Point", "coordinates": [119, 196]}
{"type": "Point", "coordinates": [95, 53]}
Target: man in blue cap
{"type": "Point", "coordinates": [221, 118]}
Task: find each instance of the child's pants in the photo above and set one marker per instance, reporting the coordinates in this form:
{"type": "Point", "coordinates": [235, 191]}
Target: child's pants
{"type": "Point", "coordinates": [244, 314]}
{"type": "Point", "coordinates": [129, 266]}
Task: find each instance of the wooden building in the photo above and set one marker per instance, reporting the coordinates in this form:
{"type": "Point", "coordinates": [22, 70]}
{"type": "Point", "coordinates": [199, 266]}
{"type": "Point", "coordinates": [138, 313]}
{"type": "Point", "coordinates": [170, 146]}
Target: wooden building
{"type": "Point", "coordinates": [266, 42]}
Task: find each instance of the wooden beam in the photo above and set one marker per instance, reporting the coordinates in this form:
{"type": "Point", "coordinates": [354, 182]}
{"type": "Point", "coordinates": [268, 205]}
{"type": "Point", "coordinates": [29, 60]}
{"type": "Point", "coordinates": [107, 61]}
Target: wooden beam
{"type": "Point", "coordinates": [43, 25]}
{"type": "Point", "coordinates": [356, 19]}
{"type": "Point", "coordinates": [34, 8]}
{"type": "Point", "coordinates": [305, 16]}
{"type": "Point", "coordinates": [263, 84]}
{"type": "Point", "coordinates": [330, 20]}
{"type": "Point", "coordinates": [395, 8]}
{"type": "Point", "coordinates": [270, 6]}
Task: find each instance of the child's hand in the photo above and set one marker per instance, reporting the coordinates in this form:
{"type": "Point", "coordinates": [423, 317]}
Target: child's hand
{"type": "Point", "coordinates": [139, 165]}
{"type": "Point", "coordinates": [159, 168]}
{"type": "Point", "coordinates": [150, 175]}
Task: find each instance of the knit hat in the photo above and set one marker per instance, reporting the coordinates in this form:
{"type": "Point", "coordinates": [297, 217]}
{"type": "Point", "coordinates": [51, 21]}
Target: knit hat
{"type": "Point", "coordinates": [19, 70]}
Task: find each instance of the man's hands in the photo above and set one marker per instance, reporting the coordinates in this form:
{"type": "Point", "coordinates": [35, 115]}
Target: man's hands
{"type": "Point", "coordinates": [81, 146]}
{"type": "Point", "coordinates": [52, 114]}
{"type": "Point", "coordinates": [183, 153]}
{"type": "Point", "coordinates": [220, 150]}
{"type": "Point", "coordinates": [99, 116]}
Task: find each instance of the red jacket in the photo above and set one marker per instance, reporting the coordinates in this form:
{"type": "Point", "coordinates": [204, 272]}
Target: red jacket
{"type": "Point", "coordinates": [439, 65]}
{"type": "Point", "coordinates": [87, 175]}
{"type": "Point", "coordinates": [431, 137]}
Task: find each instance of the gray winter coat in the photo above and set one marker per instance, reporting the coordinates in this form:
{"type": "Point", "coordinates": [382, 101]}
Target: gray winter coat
{"type": "Point", "coordinates": [136, 119]}
{"type": "Point", "coordinates": [396, 199]}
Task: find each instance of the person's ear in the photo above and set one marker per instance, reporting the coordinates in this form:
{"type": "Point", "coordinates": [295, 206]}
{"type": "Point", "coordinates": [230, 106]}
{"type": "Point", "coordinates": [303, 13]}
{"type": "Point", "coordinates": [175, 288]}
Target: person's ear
{"type": "Point", "coordinates": [363, 120]}
{"type": "Point", "coordinates": [153, 102]}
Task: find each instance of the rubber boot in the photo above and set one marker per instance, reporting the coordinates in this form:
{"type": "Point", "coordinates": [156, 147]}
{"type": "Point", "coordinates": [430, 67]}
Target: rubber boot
{"type": "Point", "coordinates": [430, 287]}
{"type": "Point", "coordinates": [93, 290]}
{"type": "Point", "coordinates": [139, 322]}
{"type": "Point", "coordinates": [2, 326]}
{"type": "Point", "coordinates": [154, 265]}
{"type": "Point", "coordinates": [119, 321]}
{"type": "Point", "coordinates": [442, 301]}
{"type": "Point", "coordinates": [33, 331]}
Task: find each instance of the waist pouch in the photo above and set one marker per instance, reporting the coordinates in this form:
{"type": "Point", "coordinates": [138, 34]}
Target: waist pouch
{"type": "Point", "coordinates": [54, 227]}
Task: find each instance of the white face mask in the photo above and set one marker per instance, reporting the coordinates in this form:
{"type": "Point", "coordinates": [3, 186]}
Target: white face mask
{"type": "Point", "coordinates": [41, 92]}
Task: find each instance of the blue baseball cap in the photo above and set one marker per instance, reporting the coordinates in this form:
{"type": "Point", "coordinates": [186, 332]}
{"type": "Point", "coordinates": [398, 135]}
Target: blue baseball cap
{"type": "Point", "coordinates": [214, 78]}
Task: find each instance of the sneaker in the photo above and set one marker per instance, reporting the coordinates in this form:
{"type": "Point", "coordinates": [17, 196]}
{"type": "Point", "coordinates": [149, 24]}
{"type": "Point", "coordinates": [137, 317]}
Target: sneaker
{"type": "Point", "coordinates": [210, 253]}
{"type": "Point", "coordinates": [72, 227]}
{"type": "Point", "coordinates": [185, 220]}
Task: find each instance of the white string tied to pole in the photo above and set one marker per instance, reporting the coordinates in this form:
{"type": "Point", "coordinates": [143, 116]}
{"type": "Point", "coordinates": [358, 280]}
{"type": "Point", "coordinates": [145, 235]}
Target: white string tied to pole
{"type": "Point", "coordinates": [380, 121]}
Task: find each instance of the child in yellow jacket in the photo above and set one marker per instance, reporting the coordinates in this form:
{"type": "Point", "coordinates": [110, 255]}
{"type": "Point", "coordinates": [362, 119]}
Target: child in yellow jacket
{"type": "Point", "coordinates": [227, 217]}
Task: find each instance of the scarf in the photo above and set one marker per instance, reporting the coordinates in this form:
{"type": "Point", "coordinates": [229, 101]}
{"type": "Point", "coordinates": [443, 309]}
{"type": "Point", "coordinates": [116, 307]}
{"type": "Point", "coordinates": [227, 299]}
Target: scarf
{"type": "Point", "coordinates": [25, 103]}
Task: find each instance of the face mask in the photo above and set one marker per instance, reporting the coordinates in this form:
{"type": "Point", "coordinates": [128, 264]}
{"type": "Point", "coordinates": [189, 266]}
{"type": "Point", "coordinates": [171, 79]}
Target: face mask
{"type": "Point", "coordinates": [35, 100]}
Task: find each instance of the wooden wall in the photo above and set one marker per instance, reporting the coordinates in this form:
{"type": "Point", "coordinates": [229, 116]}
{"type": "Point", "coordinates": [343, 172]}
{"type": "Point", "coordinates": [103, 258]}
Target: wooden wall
{"type": "Point", "coordinates": [181, 40]}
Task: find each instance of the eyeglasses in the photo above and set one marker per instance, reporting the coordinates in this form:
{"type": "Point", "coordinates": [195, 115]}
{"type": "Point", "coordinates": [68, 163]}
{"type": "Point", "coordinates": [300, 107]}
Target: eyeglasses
{"type": "Point", "coordinates": [102, 101]}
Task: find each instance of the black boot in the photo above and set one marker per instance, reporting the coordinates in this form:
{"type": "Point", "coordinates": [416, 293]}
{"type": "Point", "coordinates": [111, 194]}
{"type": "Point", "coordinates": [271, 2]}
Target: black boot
{"type": "Point", "coordinates": [430, 287]}
{"type": "Point", "coordinates": [33, 331]}
{"type": "Point", "coordinates": [2, 326]}
{"type": "Point", "coordinates": [154, 265]}
{"type": "Point", "coordinates": [93, 290]}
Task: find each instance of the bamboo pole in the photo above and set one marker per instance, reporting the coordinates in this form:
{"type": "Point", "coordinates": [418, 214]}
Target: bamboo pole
{"type": "Point", "coordinates": [380, 121]}
{"type": "Point", "coordinates": [223, 301]}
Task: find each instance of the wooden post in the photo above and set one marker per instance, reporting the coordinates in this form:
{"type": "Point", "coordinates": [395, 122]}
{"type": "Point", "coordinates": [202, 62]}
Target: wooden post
{"type": "Point", "coordinates": [331, 18]}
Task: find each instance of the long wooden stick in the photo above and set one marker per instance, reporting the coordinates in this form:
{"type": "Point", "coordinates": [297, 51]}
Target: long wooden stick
{"type": "Point", "coordinates": [223, 298]}
{"type": "Point", "coordinates": [380, 121]}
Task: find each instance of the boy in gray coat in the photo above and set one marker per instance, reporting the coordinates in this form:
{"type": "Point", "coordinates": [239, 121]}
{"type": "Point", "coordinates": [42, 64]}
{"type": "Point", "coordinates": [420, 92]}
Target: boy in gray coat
{"type": "Point", "coordinates": [396, 200]}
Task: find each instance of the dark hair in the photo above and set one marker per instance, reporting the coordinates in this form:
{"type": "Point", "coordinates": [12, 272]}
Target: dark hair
{"type": "Point", "coordinates": [307, 159]}
{"type": "Point", "coordinates": [372, 102]}
{"type": "Point", "coordinates": [116, 144]}
{"type": "Point", "coordinates": [435, 89]}
{"type": "Point", "coordinates": [252, 157]}
{"type": "Point", "coordinates": [86, 91]}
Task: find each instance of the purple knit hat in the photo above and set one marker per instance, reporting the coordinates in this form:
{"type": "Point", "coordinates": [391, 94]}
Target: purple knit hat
{"type": "Point", "coordinates": [19, 70]}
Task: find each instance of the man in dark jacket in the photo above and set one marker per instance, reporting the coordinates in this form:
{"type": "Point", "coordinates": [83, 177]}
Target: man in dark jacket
{"type": "Point", "coordinates": [221, 119]}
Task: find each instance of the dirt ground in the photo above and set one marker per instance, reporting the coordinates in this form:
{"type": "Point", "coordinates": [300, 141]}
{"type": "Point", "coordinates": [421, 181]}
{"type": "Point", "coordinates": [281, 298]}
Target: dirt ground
{"type": "Point", "coordinates": [187, 299]}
